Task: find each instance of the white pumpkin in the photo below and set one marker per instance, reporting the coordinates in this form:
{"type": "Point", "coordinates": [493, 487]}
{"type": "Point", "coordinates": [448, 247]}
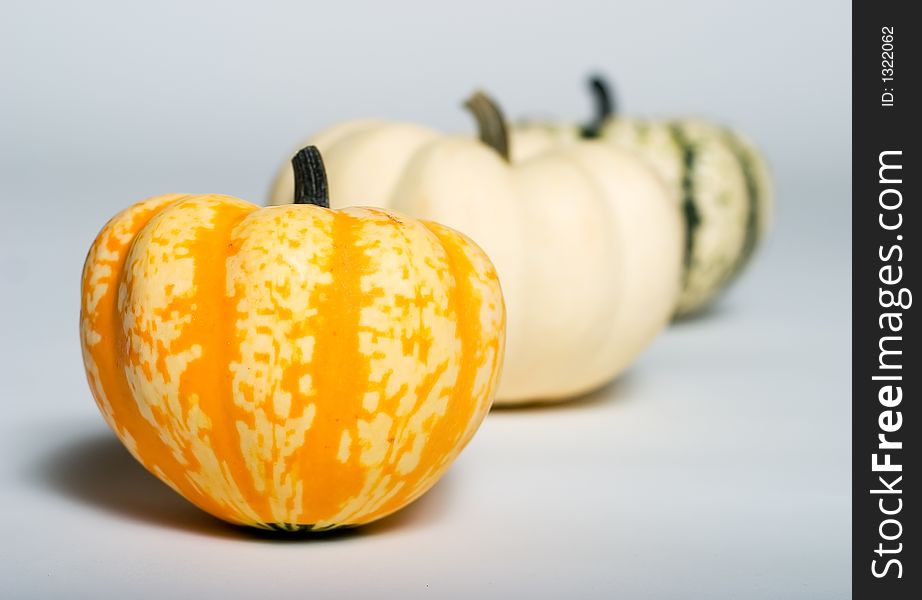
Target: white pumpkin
{"type": "Point", "coordinates": [716, 177]}
{"type": "Point", "coordinates": [584, 238]}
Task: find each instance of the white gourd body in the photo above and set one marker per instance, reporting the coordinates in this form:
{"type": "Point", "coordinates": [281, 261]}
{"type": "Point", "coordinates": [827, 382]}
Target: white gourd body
{"type": "Point", "coordinates": [585, 239]}
{"type": "Point", "coordinates": [717, 180]}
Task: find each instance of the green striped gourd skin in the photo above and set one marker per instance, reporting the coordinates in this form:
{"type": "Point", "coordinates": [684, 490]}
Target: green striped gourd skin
{"type": "Point", "coordinates": [715, 200]}
{"type": "Point", "coordinates": [760, 189]}
{"type": "Point", "coordinates": [733, 199]}
{"type": "Point", "coordinates": [715, 176]}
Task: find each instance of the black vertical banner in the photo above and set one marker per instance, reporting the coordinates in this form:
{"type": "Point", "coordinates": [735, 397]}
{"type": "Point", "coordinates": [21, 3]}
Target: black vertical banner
{"type": "Point", "coordinates": [887, 374]}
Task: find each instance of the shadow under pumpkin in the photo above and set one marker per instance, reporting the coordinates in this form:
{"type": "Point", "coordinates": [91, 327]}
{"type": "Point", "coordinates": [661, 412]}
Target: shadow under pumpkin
{"type": "Point", "coordinates": [97, 471]}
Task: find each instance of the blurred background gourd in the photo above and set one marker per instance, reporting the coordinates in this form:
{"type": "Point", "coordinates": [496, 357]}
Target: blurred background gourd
{"type": "Point", "coordinates": [585, 237]}
{"type": "Point", "coordinates": [715, 175]}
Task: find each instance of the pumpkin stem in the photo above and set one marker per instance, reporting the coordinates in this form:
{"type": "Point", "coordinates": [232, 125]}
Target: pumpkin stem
{"type": "Point", "coordinates": [490, 122]}
{"type": "Point", "coordinates": [310, 178]}
{"type": "Point", "coordinates": [604, 101]}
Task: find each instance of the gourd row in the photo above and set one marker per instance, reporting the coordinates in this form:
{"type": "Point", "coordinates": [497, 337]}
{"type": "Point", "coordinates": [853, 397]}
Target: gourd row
{"type": "Point", "coordinates": [301, 367]}
{"type": "Point", "coordinates": [600, 234]}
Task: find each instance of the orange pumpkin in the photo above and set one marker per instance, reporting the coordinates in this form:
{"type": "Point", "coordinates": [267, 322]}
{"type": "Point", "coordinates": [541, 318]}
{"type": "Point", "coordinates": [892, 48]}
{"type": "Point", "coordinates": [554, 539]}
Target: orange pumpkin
{"type": "Point", "coordinates": [291, 367]}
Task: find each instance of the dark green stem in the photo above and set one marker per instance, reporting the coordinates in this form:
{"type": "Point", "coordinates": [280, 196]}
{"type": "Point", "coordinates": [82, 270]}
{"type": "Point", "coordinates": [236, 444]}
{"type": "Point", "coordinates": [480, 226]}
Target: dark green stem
{"type": "Point", "coordinates": [604, 101]}
{"type": "Point", "coordinates": [490, 122]}
{"type": "Point", "coordinates": [310, 178]}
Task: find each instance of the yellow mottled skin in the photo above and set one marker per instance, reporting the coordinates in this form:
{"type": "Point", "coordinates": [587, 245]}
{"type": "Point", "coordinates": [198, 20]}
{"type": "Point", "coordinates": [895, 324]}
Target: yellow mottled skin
{"type": "Point", "coordinates": [292, 366]}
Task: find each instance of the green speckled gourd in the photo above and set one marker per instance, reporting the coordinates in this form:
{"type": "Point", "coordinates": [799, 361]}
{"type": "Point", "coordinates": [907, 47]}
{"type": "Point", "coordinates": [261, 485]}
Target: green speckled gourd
{"type": "Point", "coordinates": [717, 178]}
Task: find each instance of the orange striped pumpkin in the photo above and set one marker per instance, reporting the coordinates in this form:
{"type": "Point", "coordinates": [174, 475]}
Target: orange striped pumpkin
{"type": "Point", "coordinates": [291, 367]}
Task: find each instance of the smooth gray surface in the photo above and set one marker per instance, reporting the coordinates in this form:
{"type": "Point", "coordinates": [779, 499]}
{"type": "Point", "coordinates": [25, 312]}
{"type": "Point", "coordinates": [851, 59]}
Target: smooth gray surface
{"type": "Point", "coordinates": [718, 468]}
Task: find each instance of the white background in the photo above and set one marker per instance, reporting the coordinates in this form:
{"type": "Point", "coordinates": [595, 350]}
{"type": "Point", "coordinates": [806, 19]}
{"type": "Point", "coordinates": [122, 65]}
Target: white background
{"type": "Point", "coordinates": [717, 468]}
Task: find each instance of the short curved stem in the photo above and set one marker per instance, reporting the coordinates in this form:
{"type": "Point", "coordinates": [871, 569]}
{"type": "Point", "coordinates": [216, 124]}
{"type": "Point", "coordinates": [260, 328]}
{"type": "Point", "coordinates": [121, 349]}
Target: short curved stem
{"type": "Point", "coordinates": [310, 178]}
{"type": "Point", "coordinates": [604, 101]}
{"type": "Point", "coordinates": [490, 122]}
